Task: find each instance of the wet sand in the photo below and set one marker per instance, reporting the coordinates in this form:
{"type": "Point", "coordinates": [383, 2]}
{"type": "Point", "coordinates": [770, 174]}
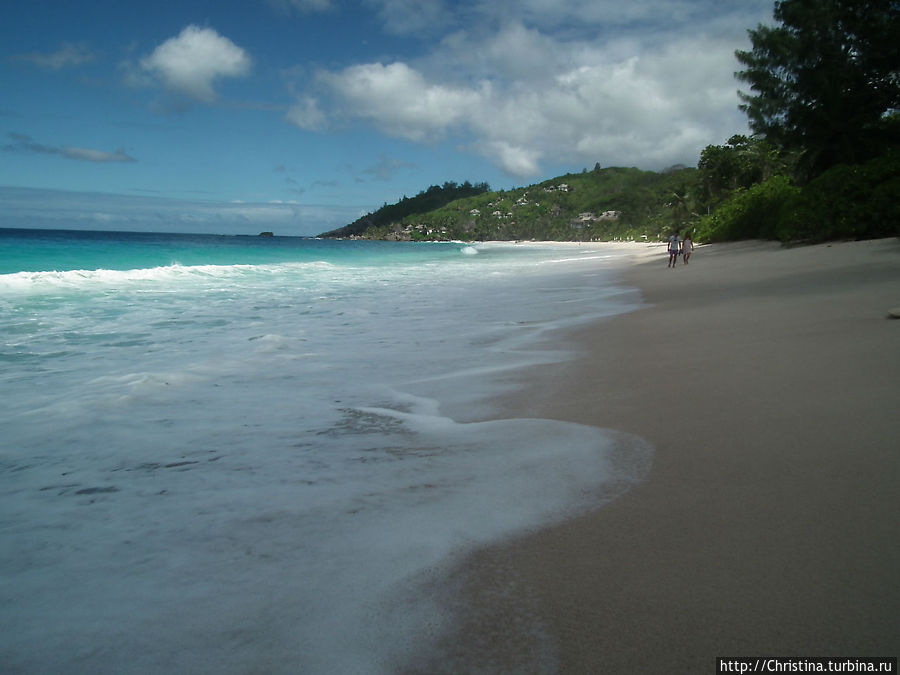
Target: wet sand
{"type": "Point", "coordinates": [767, 379]}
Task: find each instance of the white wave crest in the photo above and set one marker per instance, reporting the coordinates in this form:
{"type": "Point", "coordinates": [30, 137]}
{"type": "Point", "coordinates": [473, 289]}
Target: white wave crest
{"type": "Point", "coordinates": [30, 282]}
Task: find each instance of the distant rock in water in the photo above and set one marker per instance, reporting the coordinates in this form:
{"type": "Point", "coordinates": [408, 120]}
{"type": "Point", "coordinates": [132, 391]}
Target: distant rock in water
{"type": "Point", "coordinates": [266, 234]}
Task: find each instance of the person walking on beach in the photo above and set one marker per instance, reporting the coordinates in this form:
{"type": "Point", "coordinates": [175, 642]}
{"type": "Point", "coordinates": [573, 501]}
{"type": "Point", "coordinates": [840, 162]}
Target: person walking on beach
{"type": "Point", "coordinates": [673, 249]}
{"type": "Point", "coordinates": [687, 245]}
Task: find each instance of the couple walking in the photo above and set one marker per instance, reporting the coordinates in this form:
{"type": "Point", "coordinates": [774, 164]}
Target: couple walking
{"type": "Point", "coordinates": [678, 245]}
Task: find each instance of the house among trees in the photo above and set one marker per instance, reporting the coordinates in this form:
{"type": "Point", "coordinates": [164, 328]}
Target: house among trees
{"type": "Point", "coordinates": [562, 187]}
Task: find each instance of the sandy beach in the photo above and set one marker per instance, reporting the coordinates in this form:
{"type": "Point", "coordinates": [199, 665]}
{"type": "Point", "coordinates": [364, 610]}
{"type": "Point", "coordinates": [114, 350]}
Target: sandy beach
{"type": "Point", "coordinates": [767, 379]}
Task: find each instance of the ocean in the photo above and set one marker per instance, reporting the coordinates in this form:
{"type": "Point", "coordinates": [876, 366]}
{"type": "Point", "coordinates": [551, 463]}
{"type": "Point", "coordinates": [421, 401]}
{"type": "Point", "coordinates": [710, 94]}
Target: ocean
{"type": "Point", "coordinates": [260, 454]}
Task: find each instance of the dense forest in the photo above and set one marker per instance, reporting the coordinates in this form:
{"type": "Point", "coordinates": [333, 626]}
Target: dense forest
{"type": "Point", "coordinates": [823, 160]}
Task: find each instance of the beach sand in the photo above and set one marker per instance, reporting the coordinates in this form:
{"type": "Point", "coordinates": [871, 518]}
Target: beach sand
{"type": "Point", "coordinates": [767, 379]}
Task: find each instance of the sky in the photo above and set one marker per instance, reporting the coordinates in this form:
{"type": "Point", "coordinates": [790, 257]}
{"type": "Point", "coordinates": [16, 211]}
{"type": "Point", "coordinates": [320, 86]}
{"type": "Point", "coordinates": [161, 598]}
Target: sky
{"type": "Point", "coordinates": [298, 116]}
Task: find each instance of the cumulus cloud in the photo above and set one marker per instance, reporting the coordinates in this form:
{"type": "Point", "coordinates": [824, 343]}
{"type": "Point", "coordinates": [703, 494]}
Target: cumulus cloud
{"type": "Point", "coordinates": [528, 82]}
{"type": "Point", "coordinates": [516, 160]}
{"type": "Point", "coordinates": [399, 100]}
{"type": "Point", "coordinates": [25, 144]}
{"type": "Point", "coordinates": [522, 93]}
{"type": "Point", "coordinates": [68, 55]}
{"type": "Point", "coordinates": [194, 60]}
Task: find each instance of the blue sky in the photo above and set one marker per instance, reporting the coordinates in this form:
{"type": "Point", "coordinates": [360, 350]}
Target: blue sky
{"type": "Point", "coordinates": [297, 116]}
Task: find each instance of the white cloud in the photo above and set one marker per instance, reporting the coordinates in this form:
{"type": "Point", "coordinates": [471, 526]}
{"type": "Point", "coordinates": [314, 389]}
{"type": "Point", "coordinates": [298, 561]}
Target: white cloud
{"type": "Point", "coordinates": [579, 94]}
{"type": "Point", "coordinates": [306, 114]}
{"type": "Point", "coordinates": [514, 160]}
{"type": "Point", "coordinates": [515, 53]}
{"type": "Point", "coordinates": [400, 101]}
{"type": "Point", "coordinates": [191, 63]}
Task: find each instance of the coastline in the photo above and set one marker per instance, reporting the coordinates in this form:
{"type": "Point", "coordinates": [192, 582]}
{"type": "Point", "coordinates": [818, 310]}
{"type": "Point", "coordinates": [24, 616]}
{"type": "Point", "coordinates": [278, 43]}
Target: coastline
{"type": "Point", "coordinates": [766, 379]}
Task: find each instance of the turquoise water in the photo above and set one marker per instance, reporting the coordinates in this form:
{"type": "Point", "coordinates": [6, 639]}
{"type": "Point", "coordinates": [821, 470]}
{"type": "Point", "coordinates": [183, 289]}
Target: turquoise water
{"type": "Point", "coordinates": [273, 444]}
{"type": "Point", "coordinates": [65, 250]}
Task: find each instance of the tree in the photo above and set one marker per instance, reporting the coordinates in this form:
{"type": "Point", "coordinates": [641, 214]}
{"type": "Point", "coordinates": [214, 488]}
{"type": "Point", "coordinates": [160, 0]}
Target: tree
{"type": "Point", "coordinates": [740, 163]}
{"type": "Point", "coordinates": [826, 80]}
{"type": "Point", "coordinates": [681, 210]}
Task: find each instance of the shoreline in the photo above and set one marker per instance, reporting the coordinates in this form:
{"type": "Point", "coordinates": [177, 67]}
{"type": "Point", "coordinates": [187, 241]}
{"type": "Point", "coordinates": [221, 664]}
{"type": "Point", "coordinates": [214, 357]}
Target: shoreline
{"type": "Point", "coordinates": [766, 380]}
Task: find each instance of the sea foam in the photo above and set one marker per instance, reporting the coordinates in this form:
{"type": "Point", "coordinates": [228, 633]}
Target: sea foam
{"type": "Point", "coordinates": [232, 468]}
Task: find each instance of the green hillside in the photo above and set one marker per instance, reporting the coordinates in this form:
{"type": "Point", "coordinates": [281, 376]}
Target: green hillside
{"type": "Point", "coordinates": [427, 200]}
{"type": "Point", "coordinates": [601, 204]}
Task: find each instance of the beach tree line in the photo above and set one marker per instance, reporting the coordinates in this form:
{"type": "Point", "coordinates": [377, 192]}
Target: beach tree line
{"type": "Point", "coordinates": [824, 98]}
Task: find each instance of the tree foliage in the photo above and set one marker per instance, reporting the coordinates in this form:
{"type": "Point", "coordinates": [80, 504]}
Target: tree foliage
{"type": "Point", "coordinates": [825, 80]}
{"type": "Point", "coordinates": [854, 201]}
{"type": "Point", "coordinates": [427, 200]}
{"type": "Point", "coordinates": [857, 201]}
{"type": "Point", "coordinates": [743, 161]}
{"type": "Point", "coordinates": [765, 210]}
{"type": "Point", "coordinates": [603, 204]}
{"type": "Point", "coordinates": [823, 163]}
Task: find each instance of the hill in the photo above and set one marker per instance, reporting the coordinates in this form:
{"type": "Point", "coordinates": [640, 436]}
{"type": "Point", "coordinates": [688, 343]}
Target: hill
{"type": "Point", "coordinates": [608, 203]}
{"type": "Point", "coordinates": [427, 200]}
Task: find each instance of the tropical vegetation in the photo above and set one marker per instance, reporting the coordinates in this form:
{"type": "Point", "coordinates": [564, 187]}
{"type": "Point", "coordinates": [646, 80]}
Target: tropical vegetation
{"type": "Point", "coordinates": [600, 204]}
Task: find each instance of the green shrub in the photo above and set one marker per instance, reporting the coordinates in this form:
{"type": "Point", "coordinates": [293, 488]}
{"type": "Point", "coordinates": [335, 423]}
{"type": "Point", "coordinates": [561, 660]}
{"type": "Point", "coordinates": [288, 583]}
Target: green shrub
{"type": "Point", "coordinates": [854, 201]}
{"type": "Point", "coordinates": [766, 210]}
